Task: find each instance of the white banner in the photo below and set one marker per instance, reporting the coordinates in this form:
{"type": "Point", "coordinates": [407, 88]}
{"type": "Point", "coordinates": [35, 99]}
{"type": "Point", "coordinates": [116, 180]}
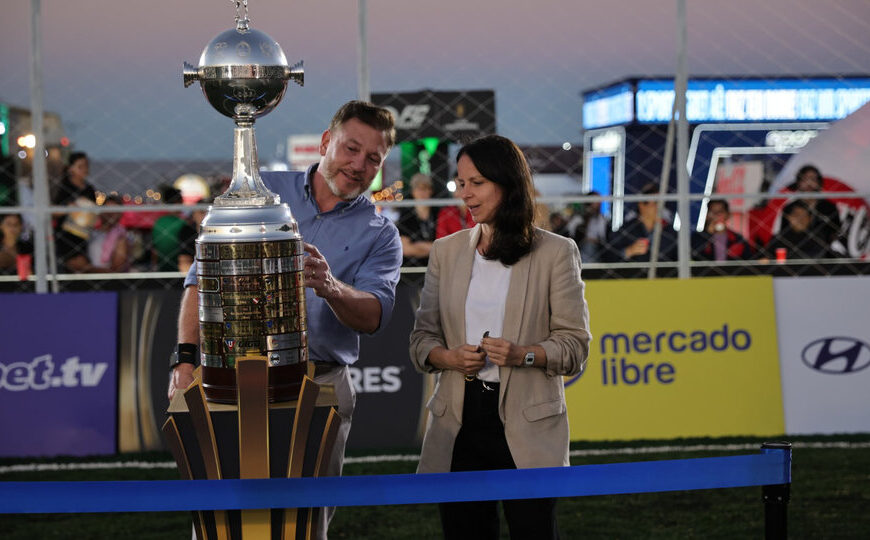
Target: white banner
{"type": "Point", "coordinates": [824, 353]}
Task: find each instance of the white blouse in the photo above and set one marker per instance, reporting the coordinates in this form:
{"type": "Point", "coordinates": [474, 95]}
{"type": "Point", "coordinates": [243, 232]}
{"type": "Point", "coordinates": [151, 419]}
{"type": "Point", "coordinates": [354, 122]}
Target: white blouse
{"type": "Point", "coordinates": [484, 306]}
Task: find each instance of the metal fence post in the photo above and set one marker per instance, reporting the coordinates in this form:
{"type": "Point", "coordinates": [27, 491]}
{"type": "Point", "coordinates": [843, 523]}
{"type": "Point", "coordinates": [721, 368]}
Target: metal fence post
{"type": "Point", "coordinates": [776, 496]}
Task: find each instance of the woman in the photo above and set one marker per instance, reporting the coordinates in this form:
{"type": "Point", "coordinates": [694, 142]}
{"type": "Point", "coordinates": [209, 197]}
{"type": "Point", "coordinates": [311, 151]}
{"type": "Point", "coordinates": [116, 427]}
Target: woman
{"type": "Point", "coordinates": [108, 246]}
{"type": "Point", "coordinates": [12, 242]}
{"type": "Point", "coordinates": [73, 229]}
{"type": "Point", "coordinates": [500, 401]}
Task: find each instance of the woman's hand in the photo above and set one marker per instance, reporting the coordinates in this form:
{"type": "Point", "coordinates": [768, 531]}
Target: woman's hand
{"type": "Point", "coordinates": [466, 359]}
{"type": "Point", "coordinates": [502, 352]}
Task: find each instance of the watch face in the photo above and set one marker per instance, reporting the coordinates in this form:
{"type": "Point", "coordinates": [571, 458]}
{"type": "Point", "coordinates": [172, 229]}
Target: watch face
{"type": "Point", "coordinates": [530, 359]}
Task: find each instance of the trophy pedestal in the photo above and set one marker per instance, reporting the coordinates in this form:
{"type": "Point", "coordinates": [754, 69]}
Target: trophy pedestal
{"type": "Point", "coordinates": [285, 382]}
{"type": "Point", "coordinates": [253, 439]}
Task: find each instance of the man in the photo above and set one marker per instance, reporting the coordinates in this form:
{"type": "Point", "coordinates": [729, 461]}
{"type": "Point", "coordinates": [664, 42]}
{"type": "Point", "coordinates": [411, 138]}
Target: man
{"type": "Point", "coordinates": [824, 213]}
{"type": "Point", "coordinates": [632, 242]}
{"type": "Point", "coordinates": [353, 262]}
{"type": "Point", "coordinates": [797, 236]}
{"type": "Point", "coordinates": [717, 242]}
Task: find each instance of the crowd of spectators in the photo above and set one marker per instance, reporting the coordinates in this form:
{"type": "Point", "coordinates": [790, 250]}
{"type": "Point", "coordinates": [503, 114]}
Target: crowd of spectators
{"type": "Point", "coordinates": [96, 242]}
{"type": "Point", "coordinates": [807, 229]}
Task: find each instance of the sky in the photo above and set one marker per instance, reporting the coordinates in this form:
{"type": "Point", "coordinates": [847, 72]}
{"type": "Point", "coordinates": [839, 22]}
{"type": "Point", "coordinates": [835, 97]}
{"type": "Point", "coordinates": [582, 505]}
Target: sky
{"type": "Point", "coordinates": [113, 69]}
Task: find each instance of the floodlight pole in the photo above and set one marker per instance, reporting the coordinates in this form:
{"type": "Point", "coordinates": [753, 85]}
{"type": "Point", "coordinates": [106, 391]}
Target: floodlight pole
{"type": "Point", "coordinates": [40, 170]}
{"type": "Point", "coordinates": [363, 88]}
{"type": "Point", "coordinates": [680, 86]}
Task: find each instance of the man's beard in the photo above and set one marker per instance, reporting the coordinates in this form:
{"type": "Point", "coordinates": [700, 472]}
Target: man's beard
{"type": "Point", "coordinates": [333, 187]}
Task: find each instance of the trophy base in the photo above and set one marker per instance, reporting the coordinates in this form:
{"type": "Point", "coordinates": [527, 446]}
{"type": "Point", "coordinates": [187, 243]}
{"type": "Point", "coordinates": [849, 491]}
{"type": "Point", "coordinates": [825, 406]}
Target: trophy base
{"type": "Point", "coordinates": [285, 382]}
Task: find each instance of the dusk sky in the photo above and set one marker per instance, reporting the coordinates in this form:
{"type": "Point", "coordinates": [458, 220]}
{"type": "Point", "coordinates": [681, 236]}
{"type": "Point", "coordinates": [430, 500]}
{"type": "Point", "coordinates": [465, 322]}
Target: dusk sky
{"type": "Point", "coordinates": [112, 69]}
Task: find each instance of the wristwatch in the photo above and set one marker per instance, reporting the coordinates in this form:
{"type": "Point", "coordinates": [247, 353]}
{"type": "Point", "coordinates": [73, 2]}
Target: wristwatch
{"type": "Point", "coordinates": [184, 353]}
{"type": "Point", "coordinates": [529, 359]}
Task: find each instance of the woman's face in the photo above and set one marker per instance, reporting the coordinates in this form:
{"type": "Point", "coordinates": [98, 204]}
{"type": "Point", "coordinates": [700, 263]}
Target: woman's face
{"type": "Point", "coordinates": [79, 169]}
{"type": "Point", "coordinates": [11, 226]}
{"type": "Point", "coordinates": [481, 195]}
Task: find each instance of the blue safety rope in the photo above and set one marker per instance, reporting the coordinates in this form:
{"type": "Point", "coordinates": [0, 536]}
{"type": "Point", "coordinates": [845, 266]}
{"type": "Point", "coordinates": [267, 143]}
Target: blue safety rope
{"type": "Point", "coordinates": [770, 467]}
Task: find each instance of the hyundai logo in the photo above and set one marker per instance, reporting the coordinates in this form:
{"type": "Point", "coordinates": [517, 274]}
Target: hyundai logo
{"type": "Point", "coordinates": [837, 355]}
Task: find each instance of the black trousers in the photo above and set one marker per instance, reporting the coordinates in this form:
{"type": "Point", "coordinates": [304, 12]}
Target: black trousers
{"type": "Point", "coordinates": [482, 446]}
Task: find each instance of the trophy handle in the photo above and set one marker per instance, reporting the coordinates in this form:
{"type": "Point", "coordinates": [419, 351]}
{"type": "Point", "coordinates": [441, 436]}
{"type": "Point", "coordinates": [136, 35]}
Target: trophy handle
{"type": "Point", "coordinates": [295, 73]}
{"type": "Point", "coordinates": [191, 74]}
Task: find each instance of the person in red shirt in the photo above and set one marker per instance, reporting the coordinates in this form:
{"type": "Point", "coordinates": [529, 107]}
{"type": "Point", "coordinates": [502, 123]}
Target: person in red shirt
{"type": "Point", "coordinates": [717, 242]}
{"type": "Point", "coordinates": [452, 219]}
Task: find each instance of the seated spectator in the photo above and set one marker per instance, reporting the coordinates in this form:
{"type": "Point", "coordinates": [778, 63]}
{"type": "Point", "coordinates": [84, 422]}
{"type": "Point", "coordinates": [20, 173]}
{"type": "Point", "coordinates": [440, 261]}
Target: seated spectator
{"type": "Point", "coordinates": [187, 236]}
{"type": "Point", "coordinates": [632, 242]}
{"type": "Point", "coordinates": [825, 215]}
{"type": "Point", "coordinates": [796, 235]}
{"type": "Point", "coordinates": [558, 224]}
{"type": "Point", "coordinates": [591, 233]}
{"type": "Point", "coordinates": [717, 242]}
{"type": "Point", "coordinates": [453, 218]}
{"type": "Point", "coordinates": [13, 242]}
{"type": "Point", "coordinates": [108, 246]}
{"type": "Point", "coordinates": [73, 229]}
{"type": "Point", "coordinates": [542, 213]}
{"type": "Point", "coordinates": [417, 224]}
{"type": "Point", "coordinates": [164, 234]}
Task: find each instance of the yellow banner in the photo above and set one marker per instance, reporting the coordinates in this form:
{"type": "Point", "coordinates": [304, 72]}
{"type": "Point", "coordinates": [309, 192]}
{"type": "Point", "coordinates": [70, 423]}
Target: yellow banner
{"type": "Point", "coordinates": [679, 358]}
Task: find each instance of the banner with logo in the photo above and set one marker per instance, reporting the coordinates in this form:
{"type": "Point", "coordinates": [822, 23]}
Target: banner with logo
{"type": "Point", "coordinates": [58, 374]}
{"type": "Point", "coordinates": [443, 115]}
{"type": "Point", "coordinates": [679, 358]}
{"type": "Point", "coordinates": [389, 391]}
{"type": "Point", "coordinates": [824, 351]}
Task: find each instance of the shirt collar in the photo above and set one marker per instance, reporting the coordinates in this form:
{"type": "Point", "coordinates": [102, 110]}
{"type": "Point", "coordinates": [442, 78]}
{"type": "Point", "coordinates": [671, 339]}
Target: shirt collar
{"type": "Point", "coordinates": [309, 178]}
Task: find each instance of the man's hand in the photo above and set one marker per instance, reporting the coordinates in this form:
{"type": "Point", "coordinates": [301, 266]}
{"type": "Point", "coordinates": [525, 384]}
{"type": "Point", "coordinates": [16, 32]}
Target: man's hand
{"type": "Point", "coordinates": [317, 273]}
{"type": "Point", "coordinates": [180, 378]}
{"type": "Point", "coordinates": [638, 247]}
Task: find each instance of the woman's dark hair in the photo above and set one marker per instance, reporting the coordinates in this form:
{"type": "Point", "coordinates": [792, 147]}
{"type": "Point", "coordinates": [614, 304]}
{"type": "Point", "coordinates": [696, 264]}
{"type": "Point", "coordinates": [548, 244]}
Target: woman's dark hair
{"type": "Point", "coordinates": [73, 157]}
{"type": "Point", "coordinates": [499, 160]}
{"type": "Point", "coordinates": [803, 170]}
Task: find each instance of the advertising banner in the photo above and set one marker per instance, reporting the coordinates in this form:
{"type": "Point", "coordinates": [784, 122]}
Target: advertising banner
{"type": "Point", "coordinates": [824, 352]}
{"type": "Point", "coordinates": [389, 391]}
{"type": "Point", "coordinates": [58, 374]}
{"type": "Point", "coordinates": [443, 115]}
{"type": "Point", "coordinates": [679, 358]}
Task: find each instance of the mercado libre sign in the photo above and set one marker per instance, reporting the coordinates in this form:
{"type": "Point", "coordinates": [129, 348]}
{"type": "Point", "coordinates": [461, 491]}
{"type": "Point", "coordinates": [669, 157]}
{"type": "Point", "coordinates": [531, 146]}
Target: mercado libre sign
{"type": "Point", "coordinates": [650, 101]}
{"type": "Point", "coordinates": [679, 358]}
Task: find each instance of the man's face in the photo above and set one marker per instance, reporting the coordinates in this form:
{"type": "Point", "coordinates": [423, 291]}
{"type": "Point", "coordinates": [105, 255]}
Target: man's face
{"type": "Point", "coordinates": [647, 208]}
{"type": "Point", "coordinates": [352, 155]}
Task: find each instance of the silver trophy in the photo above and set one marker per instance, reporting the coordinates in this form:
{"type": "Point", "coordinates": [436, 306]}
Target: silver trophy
{"type": "Point", "coordinates": [249, 251]}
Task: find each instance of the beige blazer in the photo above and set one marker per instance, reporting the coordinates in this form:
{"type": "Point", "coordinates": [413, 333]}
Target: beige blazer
{"type": "Point", "coordinates": [545, 306]}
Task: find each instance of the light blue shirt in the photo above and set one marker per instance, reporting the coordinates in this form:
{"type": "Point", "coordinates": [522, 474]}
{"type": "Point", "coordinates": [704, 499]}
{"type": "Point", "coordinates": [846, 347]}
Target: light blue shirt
{"type": "Point", "coordinates": [362, 248]}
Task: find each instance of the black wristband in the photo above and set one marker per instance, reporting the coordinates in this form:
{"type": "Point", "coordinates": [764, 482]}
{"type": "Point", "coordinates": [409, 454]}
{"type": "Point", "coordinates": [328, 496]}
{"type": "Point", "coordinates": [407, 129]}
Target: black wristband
{"type": "Point", "coordinates": [184, 353]}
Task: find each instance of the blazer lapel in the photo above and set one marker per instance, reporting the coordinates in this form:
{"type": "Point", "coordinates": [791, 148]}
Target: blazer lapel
{"type": "Point", "coordinates": [513, 314]}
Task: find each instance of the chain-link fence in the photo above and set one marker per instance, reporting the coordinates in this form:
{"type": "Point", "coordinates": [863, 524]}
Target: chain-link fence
{"type": "Point", "coordinates": [585, 88]}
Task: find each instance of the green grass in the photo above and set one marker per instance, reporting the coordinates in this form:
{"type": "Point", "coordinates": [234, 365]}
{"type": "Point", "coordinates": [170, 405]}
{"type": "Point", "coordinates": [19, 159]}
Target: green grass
{"type": "Point", "coordinates": [830, 498]}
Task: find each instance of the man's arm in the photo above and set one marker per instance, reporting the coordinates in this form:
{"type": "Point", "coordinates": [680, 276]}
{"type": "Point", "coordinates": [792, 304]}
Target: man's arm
{"type": "Point", "coordinates": [188, 332]}
{"type": "Point", "coordinates": [355, 309]}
